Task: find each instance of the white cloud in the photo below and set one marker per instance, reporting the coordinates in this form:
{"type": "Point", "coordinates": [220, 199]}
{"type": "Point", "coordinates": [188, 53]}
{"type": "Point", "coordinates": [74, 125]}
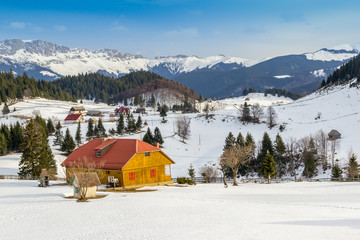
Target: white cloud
{"type": "Point", "coordinates": [17, 25]}
{"type": "Point", "coordinates": [186, 32]}
{"type": "Point", "coordinates": [23, 25]}
{"type": "Point", "coordinates": [60, 28]}
{"type": "Point", "coordinates": [118, 27]}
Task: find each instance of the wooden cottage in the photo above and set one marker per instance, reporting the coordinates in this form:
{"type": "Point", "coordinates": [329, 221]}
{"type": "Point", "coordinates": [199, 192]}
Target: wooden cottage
{"type": "Point", "coordinates": [73, 118]}
{"type": "Point", "coordinates": [131, 161]}
{"type": "Point", "coordinates": [77, 110]}
{"type": "Point", "coordinates": [93, 113]}
{"type": "Point", "coordinates": [122, 110]}
{"type": "Point", "coordinates": [85, 183]}
{"type": "Point", "coordinates": [334, 134]}
{"type": "Point", "coordinates": [141, 110]}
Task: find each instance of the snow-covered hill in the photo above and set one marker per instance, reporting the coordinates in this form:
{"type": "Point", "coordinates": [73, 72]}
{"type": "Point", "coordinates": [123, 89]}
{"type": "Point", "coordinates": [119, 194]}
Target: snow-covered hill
{"type": "Point", "coordinates": [339, 108]}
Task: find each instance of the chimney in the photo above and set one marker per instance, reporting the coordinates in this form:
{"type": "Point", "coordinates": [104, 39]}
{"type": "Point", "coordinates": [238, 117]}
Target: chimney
{"type": "Point", "coordinates": [157, 145]}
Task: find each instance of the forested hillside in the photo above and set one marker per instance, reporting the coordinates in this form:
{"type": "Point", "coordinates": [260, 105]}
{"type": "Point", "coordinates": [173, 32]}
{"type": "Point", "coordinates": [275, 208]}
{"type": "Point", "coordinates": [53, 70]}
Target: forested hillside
{"type": "Point", "coordinates": [22, 86]}
{"type": "Point", "coordinates": [348, 71]}
{"type": "Point", "coordinates": [87, 86]}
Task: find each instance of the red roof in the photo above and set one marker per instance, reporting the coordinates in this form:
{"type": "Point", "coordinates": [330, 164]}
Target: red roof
{"type": "Point", "coordinates": [119, 153]}
{"type": "Point", "coordinates": [72, 117]}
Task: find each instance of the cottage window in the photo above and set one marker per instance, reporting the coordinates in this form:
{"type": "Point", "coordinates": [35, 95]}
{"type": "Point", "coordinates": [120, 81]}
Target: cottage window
{"type": "Point", "coordinates": [167, 170]}
{"type": "Point", "coordinates": [153, 173]}
{"type": "Point", "coordinates": [107, 172]}
{"type": "Point", "coordinates": [147, 154]}
{"type": "Point", "coordinates": [98, 153]}
{"type": "Point", "coordinates": [131, 176]}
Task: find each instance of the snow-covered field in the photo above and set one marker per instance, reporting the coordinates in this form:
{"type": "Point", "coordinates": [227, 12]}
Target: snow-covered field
{"type": "Point", "coordinates": [206, 211]}
{"type": "Point", "coordinates": [339, 110]}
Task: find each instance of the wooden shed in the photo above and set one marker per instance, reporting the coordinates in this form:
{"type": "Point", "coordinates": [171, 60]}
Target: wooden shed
{"type": "Point", "coordinates": [73, 118]}
{"type": "Point", "coordinates": [85, 182]}
{"type": "Point", "coordinates": [334, 134]}
{"type": "Point", "coordinates": [131, 161]}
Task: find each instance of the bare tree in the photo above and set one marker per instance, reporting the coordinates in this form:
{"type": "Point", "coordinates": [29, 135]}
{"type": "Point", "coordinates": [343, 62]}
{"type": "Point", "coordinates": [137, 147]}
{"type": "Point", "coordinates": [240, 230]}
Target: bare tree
{"type": "Point", "coordinates": [292, 153]}
{"type": "Point", "coordinates": [235, 156]}
{"type": "Point", "coordinates": [271, 117]}
{"type": "Point", "coordinates": [183, 127]}
{"type": "Point", "coordinates": [322, 145]}
{"type": "Point", "coordinates": [333, 146]}
{"type": "Point", "coordinates": [209, 172]}
{"type": "Point", "coordinates": [257, 112]}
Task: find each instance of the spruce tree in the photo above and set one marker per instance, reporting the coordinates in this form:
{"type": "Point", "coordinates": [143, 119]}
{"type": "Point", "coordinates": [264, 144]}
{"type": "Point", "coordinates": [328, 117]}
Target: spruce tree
{"type": "Point", "coordinates": [157, 136]}
{"type": "Point", "coordinates": [3, 145]}
{"type": "Point", "coordinates": [310, 166]}
{"type": "Point", "coordinates": [68, 145]}
{"type": "Point", "coordinates": [191, 172]}
{"type": "Point", "coordinates": [120, 126]}
{"type": "Point", "coordinates": [126, 102]}
{"type": "Point", "coordinates": [5, 130]}
{"type": "Point", "coordinates": [268, 167]}
{"type": "Point", "coordinates": [131, 125]}
{"type": "Point", "coordinates": [101, 129]}
{"type": "Point", "coordinates": [280, 155]}
{"type": "Point", "coordinates": [336, 172]}
{"type": "Point", "coordinates": [6, 109]}
{"type": "Point", "coordinates": [249, 140]}
{"type": "Point", "coordinates": [16, 136]}
{"type": "Point", "coordinates": [90, 130]}
{"type": "Point", "coordinates": [96, 132]}
{"type": "Point", "coordinates": [353, 168]}
{"type": "Point", "coordinates": [240, 140]}
{"type": "Point", "coordinates": [147, 138]}
{"type": "Point", "coordinates": [245, 114]}
{"type": "Point", "coordinates": [229, 141]}
{"type": "Point", "coordinates": [58, 135]}
{"type": "Point", "coordinates": [78, 135]}
{"type": "Point", "coordinates": [138, 123]}
{"type": "Point", "coordinates": [149, 133]}
{"type": "Point", "coordinates": [50, 127]}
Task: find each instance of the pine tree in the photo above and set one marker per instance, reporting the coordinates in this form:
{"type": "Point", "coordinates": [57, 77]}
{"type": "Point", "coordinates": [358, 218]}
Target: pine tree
{"type": "Point", "coordinates": [310, 166]}
{"type": "Point", "coordinates": [147, 138]}
{"type": "Point", "coordinates": [78, 135]}
{"type": "Point", "coordinates": [157, 136]}
{"type": "Point", "coordinates": [353, 168]}
{"type": "Point", "coordinates": [120, 126]}
{"type": "Point", "coordinates": [36, 153]}
{"type": "Point", "coordinates": [131, 125]}
{"type": "Point", "coordinates": [101, 129]}
{"type": "Point", "coordinates": [245, 114]}
{"type": "Point", "coordinates": [163, 111]}
{"type": "Point", "coordinates": [268, 167]}
{"type": "Point", "coordinates": [126, 102]}
{"type": "Point", "coordinates": [191, 172]}
{"type": "Point", "coordinates": [96, 131]}
{"type": "Point", "coordinates": [280, 155]}
{"type": "Point", "coordinates": [229, 141]}
{"type": "Point", "coordinates": [249, 140]}
{"type": "Point", "coordinates": [336, 172]}
{"type": "Point", "coordinates": [149, 133]}
{"type": "Point", "coordinates": [5, 130]}
{"type": "Point", "coordinates": [3, 145]}
{"type": "Point", "coordinates": [138, 123]}
{"type": "Point", "coordinates": [240, 140]}
{"type": "Point", "coordinates": [6, 109]}
{"type": "Point", "coordinates": [50, 127]}
{"type": "Point", "coordinates": [90, 130]}
{"type": "Point", "coordinates": [58, 135]}
{"type": "Point", "coordinates": [68, 144]}
{"type": "Point", "coordinates": [16, 136]}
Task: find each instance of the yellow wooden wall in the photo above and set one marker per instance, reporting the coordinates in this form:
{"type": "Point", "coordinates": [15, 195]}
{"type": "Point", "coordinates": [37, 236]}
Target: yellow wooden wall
{"type": "Point", "coordinates": [102, 174]}
{"type": "Point", "coordinates": [142, 165]}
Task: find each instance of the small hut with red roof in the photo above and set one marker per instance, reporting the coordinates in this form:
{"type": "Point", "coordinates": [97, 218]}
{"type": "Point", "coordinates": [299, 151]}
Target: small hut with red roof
{"type": "Point", "coordinates": [131, 161]}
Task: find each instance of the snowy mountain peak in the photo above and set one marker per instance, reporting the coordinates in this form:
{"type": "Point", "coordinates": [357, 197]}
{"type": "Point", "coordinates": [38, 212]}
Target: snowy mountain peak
{"type": "Point", "coordinates": [11, 46]}
{"type": "Point", "coordinates": [337, 53]}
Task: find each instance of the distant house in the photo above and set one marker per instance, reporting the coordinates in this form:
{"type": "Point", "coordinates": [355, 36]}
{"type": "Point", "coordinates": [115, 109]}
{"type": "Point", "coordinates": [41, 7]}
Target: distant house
{"type": "Point", "coordinates": [131, 161]}
{"type": "Point", "coordinates": [73, 118]}
{"type": "Point", "coordinates": [334, 134]}
{"type": "Point", "coordinates": [77, 110]}
{"type": "Point", "coordinates": [85, 181]}
{"type": "Point", "coordinates": [93, 113]}
{"type": "Point", "coordinates": [141, 110]}
{"type": "Point", "coordinates": [122, 110]}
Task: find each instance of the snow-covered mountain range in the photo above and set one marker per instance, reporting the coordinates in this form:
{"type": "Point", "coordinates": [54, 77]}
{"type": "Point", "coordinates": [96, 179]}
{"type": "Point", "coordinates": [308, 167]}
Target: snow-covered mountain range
{"type": "Point", "coordinates": [214, 76]}
{"type": "Point", "coordinates": [51, 61]}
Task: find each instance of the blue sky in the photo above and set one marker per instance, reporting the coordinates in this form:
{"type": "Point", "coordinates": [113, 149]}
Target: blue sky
{"type": "Point", "coordinates": [243, 28]}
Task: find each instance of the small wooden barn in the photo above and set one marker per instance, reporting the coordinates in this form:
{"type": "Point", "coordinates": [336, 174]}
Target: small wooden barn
{"type": "Point", "coordinates": [73, 118]}
{"type": "Point", "coordinates": [140, 110]}
{"type": "Point", "coordinates": [77, 110]}
{"type": "Point", "coordinates": [131, 161]}
{"type": "Point", "coordinates": [334, 134]}
{"type": "Point", "coordinates": [93, 113]}
{"type": "Point", "coordinates": [85, 184]}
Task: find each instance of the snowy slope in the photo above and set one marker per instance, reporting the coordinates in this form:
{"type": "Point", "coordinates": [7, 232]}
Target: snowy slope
{"type": "Point", "coordinates": [294, 211]}
{"type": "Point", "coordinates": [337, 53]}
